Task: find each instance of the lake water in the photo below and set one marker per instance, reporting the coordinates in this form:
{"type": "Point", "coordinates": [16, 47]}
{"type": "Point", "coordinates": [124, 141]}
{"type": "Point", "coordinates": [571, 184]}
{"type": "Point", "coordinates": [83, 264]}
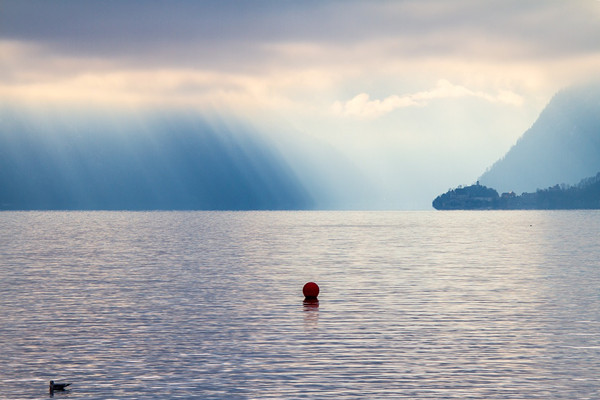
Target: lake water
{"type": "Point", "coordinates": [208, 305]}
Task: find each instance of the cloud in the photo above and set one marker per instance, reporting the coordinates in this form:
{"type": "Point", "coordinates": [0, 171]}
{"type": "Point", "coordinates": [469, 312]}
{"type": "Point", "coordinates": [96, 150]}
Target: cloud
{"type": "Point", "coordinates": [259, 36]}
{"type": "Point", "coordinates": [361, 106]}
{"type": "Point", "coordinates": [225, 32]}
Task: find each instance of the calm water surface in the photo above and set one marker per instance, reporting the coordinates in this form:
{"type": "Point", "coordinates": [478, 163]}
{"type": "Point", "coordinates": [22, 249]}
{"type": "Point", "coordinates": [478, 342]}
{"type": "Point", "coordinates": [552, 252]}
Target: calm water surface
{"type": "Point", "coordinates": [415, 305]}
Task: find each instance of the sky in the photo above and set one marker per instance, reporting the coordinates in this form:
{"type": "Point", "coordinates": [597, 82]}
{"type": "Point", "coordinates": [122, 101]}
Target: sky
{"type": "Point", "coordinates": [420, 95]}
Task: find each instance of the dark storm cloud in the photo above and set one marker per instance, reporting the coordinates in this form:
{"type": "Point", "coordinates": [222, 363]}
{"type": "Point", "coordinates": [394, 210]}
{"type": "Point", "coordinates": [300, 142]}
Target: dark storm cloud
{"type": "Point", "coordinates": [235, 29]}
{"type": "Point", "coordinates": [115, 26]}
{"type": "Point", "coordinates": [221, 35]}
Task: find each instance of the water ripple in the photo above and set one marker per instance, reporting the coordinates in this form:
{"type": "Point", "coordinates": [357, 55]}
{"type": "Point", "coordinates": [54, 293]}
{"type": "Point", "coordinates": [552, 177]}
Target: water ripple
{"type": "Point", "coordinates": [494, 305]}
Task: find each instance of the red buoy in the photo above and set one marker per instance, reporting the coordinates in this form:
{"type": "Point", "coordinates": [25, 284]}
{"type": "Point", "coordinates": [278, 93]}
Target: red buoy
{"type": "Point", "coordinates": [310, 291]}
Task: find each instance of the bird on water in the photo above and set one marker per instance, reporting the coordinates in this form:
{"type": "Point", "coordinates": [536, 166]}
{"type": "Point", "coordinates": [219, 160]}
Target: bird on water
{"type": "Point", "coordinates": [58, 386]}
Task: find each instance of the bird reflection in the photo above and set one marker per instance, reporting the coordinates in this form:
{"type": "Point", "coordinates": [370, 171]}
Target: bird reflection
{"type": "Point", "coordinates": [59, 387]}
{"type": "Point", "coordinates": [311, 313]}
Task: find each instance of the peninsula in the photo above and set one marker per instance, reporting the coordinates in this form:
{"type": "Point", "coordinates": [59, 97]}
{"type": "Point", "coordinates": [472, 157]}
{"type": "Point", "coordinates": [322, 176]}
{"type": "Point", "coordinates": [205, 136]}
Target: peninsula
{"type": "Point", "coordinates": [584, 195]}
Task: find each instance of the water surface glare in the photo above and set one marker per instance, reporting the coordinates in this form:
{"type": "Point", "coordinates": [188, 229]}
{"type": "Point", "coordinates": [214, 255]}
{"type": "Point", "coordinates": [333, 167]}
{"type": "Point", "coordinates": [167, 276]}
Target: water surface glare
{"type": "Point", "coordinates": [208, 305]}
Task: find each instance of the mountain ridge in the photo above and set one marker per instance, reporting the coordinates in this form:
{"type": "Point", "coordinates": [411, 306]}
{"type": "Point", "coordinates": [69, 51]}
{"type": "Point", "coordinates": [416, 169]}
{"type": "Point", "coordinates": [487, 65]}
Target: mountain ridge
{"type": "Point", "coordinates": [114, 161]}
{"type": "Point", "coordinates": [562, 145]}
{"type": "Point", "coordinates": [561, 148]}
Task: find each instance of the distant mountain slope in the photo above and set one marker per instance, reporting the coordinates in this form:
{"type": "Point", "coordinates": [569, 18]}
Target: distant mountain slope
{"type": "Point", "coordinates": [562, 146]}
{"type": "Point", "coordinates": [159, 162]}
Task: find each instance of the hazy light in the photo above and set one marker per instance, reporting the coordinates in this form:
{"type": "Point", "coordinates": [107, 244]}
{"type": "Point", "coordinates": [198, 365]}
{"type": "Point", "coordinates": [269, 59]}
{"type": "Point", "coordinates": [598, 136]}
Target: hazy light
{"type": "Point", "coordinates": [401, 89]}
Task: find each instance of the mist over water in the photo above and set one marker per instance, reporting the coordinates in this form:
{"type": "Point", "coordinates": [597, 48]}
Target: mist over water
{"type": "Point", "coordinates": [168, 160]}
{"type": "Point", "coordinates": [415, 305]}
